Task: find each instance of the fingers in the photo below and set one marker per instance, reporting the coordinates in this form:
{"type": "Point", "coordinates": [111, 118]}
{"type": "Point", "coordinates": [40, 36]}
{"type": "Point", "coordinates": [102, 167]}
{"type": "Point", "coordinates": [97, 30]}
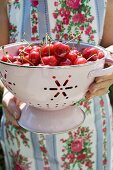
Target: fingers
{"type": "Point", "coordinates": [11, 107]}
{"type": "Point", "coordinates": [100, 92]}
{"type": "Point", "coordinates": [10, 118]}
{"type": "Point", "coordinates": [104, 78]}
{"type": "Point", "coordinates": [100, 86]}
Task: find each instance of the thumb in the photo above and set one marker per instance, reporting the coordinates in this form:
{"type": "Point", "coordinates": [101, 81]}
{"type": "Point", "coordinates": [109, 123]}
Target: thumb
{"type": "Point", "coordinates": [9, 102]}
{"type": "Point", "coordinates": [14, 109]}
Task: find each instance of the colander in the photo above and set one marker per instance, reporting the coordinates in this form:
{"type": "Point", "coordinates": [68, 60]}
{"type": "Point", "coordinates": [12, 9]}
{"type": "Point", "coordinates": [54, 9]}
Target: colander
{"type": "Point", "coordinates": [49, 94]}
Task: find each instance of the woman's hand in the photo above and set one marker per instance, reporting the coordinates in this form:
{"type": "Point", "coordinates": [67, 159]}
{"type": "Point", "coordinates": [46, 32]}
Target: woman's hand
{"type": "Point", "coordinates": [101, 85]}
{"type": "Point", "coordinates": [11, 107]}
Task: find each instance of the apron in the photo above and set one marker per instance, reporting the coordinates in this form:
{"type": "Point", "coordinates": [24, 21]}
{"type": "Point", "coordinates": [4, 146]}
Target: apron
{"type": "Point", "coordinates": [88, 147]}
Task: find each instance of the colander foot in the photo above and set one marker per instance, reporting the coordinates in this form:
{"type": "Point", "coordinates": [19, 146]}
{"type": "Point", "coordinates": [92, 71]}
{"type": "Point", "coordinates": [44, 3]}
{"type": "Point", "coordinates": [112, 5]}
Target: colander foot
{"type": "Point", "coordinates": [51, 122]}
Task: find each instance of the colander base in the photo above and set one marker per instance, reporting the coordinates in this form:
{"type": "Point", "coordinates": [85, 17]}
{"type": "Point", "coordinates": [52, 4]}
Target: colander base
{"type": "Point", "coordinates": [50, 122]}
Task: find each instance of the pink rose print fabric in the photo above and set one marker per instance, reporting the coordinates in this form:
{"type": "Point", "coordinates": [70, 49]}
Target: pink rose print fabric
{"type": "Point", "coordinates": [74, 4]}
{"type": "Point", "coordinates": [34, 20]}
{"type": "Point", "coordinates": [79, 148]}
{"type": "Point", "coordinates": [73, 15]}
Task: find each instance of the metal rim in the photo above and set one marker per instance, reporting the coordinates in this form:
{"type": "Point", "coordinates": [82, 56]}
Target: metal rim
{"type": "Point", "coordinates": [56, 67]}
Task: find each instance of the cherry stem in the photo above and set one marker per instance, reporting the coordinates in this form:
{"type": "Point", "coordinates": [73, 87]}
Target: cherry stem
{"type": "Point", "coordinates": [5, 53]}
{"type": "Point", "coordinates": [41, 56]}
{"type": "Point", "coordinates": [91, 57]}
{"type": "Point", "coordinates": [74, 37]}
{"type": "Point", "coordinates": [27, 60]}
{"type": "Point", "coordinates": [46, 38]}
{"type": "Point", "coordinates": [49, 40]}
{"type": "Point", "coordinates": [8, 58]}
{"type": "Point", "coordinates": [29, 44]}
{"type": "Point", "coordinates": [3, 49]}
{"type": "Point", "coordinates": [25, 34]}
{"type": "Point", "coordinates": [43, 41]}
{"type": "Point", "coordinates": [49, 48]}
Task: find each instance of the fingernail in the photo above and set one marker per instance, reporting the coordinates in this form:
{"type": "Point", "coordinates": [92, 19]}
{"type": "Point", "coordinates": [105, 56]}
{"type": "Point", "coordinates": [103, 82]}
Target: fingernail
{"type": "Point", "coordinates": [16, 115]}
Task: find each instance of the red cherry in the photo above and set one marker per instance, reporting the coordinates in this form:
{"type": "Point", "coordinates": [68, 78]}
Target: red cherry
{"type": "Point", "coordinates": [49, 60]}
{"type": "Point", "coordinates": [28, 49]}
{"type": "Point", "coordinates": [89, 51]}
{"type": "Point", "coordinates": [100, 54]}
{"type": "Point", "coordinates": [72, 55]}
{"type": "Point", "coordinates": [93, 58]}
{"type": "Point", "coordinates": [47, 50]}
{"type": "Point", "coordinates": [34, 57]}
{"type": "Point", "coordinates": [21, 48]}
{"type": "Point", "coordinates": [80, 60]}
{"type": "Point", "coordinates": [61, 50]}
{"type": "Point", "coordinates": [8, 58]}
{"type": "Point", "coordinates": [67, 62]}
{"type": "Point", "coordinates": [36, 48]}
{"type": "Point", "coordinates": [25, 59]}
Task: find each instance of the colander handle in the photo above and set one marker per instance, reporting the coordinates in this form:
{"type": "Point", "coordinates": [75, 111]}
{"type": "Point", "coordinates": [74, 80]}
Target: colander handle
{"type": "Point", "coordinates": [102, 72]}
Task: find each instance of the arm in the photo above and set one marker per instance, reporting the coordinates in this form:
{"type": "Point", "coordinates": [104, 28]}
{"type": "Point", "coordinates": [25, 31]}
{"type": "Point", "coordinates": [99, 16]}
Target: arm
{"type": "Point", "coordinates": [107, 38]}
{"type": "Point", "coordinates": [4, 27]}
{"type": "Point", "coordinates": [4, 24]}
{"type": "Point", "coordinates": [101, 84]}
{"type": "Point", "coordinates": [9, 101]}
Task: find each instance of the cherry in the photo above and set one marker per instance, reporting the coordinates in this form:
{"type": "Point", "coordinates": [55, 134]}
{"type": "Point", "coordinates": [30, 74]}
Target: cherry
{"type": "Point", "coordinates": [100, 54]}
{"type": "Point", "coordinates": [22, 58]}
{"type": "Point", "coordinates": [28, 49]}
{"type": "Point", "coordinates": [49, 60]}
{"type": "Point", "coordinates": [72, 55]}
{"type": "Point", "coordinates": [61, 50]}
{"type": "Point", "coordinates": [34, 57]}
{"type": "Point", "coordinates": [25, 59]}
{"type": "Point", "coordinates": [47, 50]}
{"type": "Point", "coordinates": [21, 48]}
{"type": "Point", "coordinates": [80, 60]}
{"type": "Point", "coordinates": [66, 62]}
{"type": "Point", "coordinates": [89, 51]}
{"type": "Point", "coordinates": [36, 48]}
{"type": "Point", "coordinates": [93, 58]}
{"type": "Point", "coordinates": [57, 54]}
{"type": "Point", "coordinates": [8, 58]}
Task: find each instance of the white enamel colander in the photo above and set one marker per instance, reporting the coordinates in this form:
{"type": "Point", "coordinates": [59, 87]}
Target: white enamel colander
{"type": "Point", "coordinates": [49, 93]}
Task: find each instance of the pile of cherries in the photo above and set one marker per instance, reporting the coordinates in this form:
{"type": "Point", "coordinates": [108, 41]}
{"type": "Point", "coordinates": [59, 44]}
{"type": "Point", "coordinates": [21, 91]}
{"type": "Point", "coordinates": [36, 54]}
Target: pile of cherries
{"type": "Point", "coordinates": [52, 54]}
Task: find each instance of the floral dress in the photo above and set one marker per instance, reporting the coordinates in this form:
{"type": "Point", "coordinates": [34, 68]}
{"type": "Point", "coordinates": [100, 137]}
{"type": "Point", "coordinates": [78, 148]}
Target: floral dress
{"type": "Point", "coordinates": [88, 147]}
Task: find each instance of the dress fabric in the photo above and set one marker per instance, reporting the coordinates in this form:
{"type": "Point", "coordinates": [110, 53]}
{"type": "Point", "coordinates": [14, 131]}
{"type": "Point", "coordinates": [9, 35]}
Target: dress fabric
{"type": "Point", "coordinates": [88, 147]}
